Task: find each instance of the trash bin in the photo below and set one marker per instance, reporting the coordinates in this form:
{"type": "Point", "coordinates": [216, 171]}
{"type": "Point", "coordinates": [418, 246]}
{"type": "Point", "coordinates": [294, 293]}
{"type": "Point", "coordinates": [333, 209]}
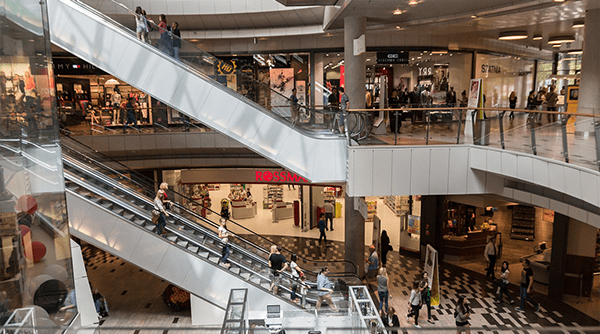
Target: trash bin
{"type": "Point", "coordinates": [481, 131]}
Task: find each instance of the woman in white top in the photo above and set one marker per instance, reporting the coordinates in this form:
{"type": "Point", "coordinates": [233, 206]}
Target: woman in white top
{"type": "Point", "coordinates": [296, 270]}
{"type": "Point", "coordinates": [140, 24]}
{"type": "Point", "coordinates": [503, 284]}
{"type": "Point", "coordinates": [414, 303]}
{"type": "Point", "coordinates": [159, 205]}
{"type": "Point", "coordinates": [224, 235]}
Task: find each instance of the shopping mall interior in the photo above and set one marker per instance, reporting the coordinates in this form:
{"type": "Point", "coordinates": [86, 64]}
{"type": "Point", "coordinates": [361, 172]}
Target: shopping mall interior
{"type": "Point", "coordinates": [154, 151]}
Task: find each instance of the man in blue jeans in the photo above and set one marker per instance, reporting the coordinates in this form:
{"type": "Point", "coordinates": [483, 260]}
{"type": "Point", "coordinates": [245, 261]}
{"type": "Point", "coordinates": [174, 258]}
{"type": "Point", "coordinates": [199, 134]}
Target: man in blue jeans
{"type": "Point", "coordinates": [322, 228]}
{"type": "Point", "coordinates": [526, 284]}
{"type": "Point", "coordinates": [329, 210]}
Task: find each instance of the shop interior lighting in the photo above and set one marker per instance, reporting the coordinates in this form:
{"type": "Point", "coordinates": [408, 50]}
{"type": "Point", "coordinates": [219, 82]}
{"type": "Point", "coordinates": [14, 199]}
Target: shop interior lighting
{"type": "Point", "coordinates": [413, 2]}
{"type": "Point", "coordinates": [561, 39]}
{"type": "Point", "coordinates": [439, 52]}
{"type": "Point", "coordinates": [575, 52]}
{"type": "Point", "coordinates": [559, 0]}
{"type": "Point", "coordinates": [537, 37]}
{"type": "Point", "coordinates": [512, 35]}
{"type": "Point", "coordinates": [556, 45]}
{"type": "Point", "coordinates": [473, 16]}
{"type": "Point", "coordinates": [578, 24]}
{"type": "Point", "coordinates": [397, 11]}
{"type": "Point", "coordinates": [398, 27]}
{"type": "Point", "coordinates": [111, 82]}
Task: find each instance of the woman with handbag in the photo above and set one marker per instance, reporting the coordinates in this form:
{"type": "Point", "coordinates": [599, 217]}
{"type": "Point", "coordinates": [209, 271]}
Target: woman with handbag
{"type": "Point", "coordinates": [414, 304]}
{"type": "Point", "coordinates": [503, 284]}
{"type": "Point", "coordinates": [159, 208]}
{"type": "Point", "coordinates": [426, 296]}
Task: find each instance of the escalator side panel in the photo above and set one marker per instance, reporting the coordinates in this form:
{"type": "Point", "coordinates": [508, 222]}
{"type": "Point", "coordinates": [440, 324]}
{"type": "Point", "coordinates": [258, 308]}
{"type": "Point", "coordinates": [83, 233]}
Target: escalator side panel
{"type": "Point", "coordinates": [122, 55]}
{"type": "Point", "coordinates": [116, 235]}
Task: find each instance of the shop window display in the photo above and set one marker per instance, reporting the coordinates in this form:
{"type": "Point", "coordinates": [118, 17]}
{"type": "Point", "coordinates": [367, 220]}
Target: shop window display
{"type": "Point", "coordinates": [34, 237]}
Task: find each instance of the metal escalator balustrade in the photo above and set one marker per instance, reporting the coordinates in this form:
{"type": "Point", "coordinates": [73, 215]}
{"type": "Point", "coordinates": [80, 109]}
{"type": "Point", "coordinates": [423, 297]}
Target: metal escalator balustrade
{"type": "Point", "coordinates": [137, 199]}
{"type": "Point", "coordinates": [302, 142]}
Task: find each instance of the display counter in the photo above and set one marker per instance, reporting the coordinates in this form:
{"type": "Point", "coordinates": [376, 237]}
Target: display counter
{"type": "Point", "coordinates": [241, 209]}
{"type": "Point", "coordinates": [283, 210]}
{"type": "Point", "coordinates": [471, 245]}
{"type": "Point", "coordinates": [540, 264]}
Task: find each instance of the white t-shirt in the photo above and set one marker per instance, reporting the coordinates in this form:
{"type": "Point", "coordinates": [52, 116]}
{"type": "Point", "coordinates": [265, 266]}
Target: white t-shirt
{"type": "Point", "coordinates": [293, 265]}
{"type": "Point", "coordinates": [223, 231]}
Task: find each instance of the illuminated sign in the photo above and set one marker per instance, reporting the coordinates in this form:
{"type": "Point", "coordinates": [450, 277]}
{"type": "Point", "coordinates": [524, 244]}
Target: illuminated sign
{"type": "Point", "coordinates": [226, 67]}
{"type": "Point", "coordinates": [279, 176]}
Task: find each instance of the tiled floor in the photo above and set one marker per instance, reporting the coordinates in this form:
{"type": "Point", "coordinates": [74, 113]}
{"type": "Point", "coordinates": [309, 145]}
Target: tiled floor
{"type": "Point", "coordinates": [134, 295]}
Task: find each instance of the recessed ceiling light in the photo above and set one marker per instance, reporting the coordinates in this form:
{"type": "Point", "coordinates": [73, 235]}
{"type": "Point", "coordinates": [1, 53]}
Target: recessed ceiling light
{"type": "Point", "coordinates": [413, 2]}
{"type": "Point", "coordinates": [327, 55]}
{"type": "Point", "coordinates": [559, 0]}
{"type": "Point", "coordinates": [537, 37]}
{"type": "Point", "coordinates": [397, 12]}
{"type": "Point", "coordinates": [473, 16]}
{"type": "Point", "coordinates": [512, 35]}
{"type": "Point", "coordinates": [575, 52]}
{"type": "Point", "coordinates": [561, 39]}
{"type": "Point", "coordinates": [556, 45]}
{"type": "Point", "coordinates": [578, 24]}
{"type": "Point", "coordinates": [368, 59]}
{"type": "Point", "coordinates": [398, 27]}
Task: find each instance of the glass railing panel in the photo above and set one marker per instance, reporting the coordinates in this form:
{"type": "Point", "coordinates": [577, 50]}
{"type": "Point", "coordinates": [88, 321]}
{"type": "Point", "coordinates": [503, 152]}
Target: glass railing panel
{"type": "Point", "coordinates": [581, 142]}
{"type": "Point", "coordinates": [444, 126]}
{"type": "Point", "coordinates": [271, 95]}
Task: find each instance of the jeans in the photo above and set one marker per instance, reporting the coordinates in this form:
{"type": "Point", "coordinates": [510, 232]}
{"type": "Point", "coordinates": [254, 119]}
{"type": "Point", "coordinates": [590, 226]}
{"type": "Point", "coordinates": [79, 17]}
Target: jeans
{"type": "Point", "coordinates": [329, 217]}
{"type": "Point", "coordinates": [504, 290]}
{"type": "Point", "coordinates": [162, 222]}
{"type": "Point", "coordinates": [225, 254]}
{"type": "Point", "coordinates": [383, 297]}
{"type": "Point", "coordinates": [491, 265]}
{"type": "Point", "coordinates": [176, 52]}
{"type": "Point", "coordinates": [525, 297]}
{"type": "Point", "coordinates": [101, 305]}
{"type": "Point", "coordinates": [415, 312]}
{"type": "Point", "coordinates": [322, 236]}
{"type": "Point", "coordinates": [130, 120]}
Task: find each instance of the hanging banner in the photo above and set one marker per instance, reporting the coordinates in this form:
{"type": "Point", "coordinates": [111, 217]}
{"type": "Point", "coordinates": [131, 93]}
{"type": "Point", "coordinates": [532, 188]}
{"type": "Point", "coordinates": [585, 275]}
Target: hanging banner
{"type": "Point", "coordinates": [572, 102]}
{"type": "Point", "coordinates": [282, 83]}
{"type": "Point", "coordinates": [433, 274]}
{"type": "Point", "coordinates": [301, 91]}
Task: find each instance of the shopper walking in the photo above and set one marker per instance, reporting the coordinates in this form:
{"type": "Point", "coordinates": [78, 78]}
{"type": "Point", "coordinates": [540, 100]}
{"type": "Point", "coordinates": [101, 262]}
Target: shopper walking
{"type": "Point", "coordinates": [512, 103]}
{"type": "Point", "coordinates": [372, 263]}
{"type": "Point", "coordinates": [322, 228]}
{"type": "Point", "coordinates": [426, 295]}
{"type": "Point", "coordinates": [490, 257]}
{"type": "Point", "coordinates": [383, 291]}
{"type": "Point", "coordinates": [131, 119]}
{"type": "Point", "coordinates": [224, 236]}
{"type": "Point", "coordinates": [540, 102]}
{"type": "Point", "coordinates": [278, 264]}
{"type": "Point", "coordinates": [392, 321]}
{"type": "Point", "coordinates": [176, 37]}
{"type": "Point", "coordinates": [503, 284]}
{"type": "Point", "coordinates": [159, 205]}
{"type": "Point", "coordinates": [526, 286]}
{"type": "Point", "coordinates": [451, 98]}
{"type": "Point", "coordinates": [329, 210]}
{"type": "Point", "coordinates": [325, 289]}
{"type": "Point", "coordinates": [462, 314]}
{"type": "Point", "coordinates": [149, 26]}
{"type": "Point", "coordinates": [344, 105]}
{"type": "Point", "coordinates": [294, 108]}
{"type": "Point", "coordinates": [385, 247]}
{"type": "Point", "coordinates": [414, 304]}
{"type": "Point", "coordinates": [551, 101]}
{"type": "Point", "coordinates": [140, 24]}
{"type": "Point", "coordinates": [164, 44]}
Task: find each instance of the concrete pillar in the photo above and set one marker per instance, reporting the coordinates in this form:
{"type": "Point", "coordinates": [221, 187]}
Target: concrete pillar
{"type": "Point", "coordinates": [560, 233]}
{"type": "Point", "coordinates": [318, 86]}
{"type": "Point", "coordinates": [589, 91]}
{"type": "Point", "coordinates": [354, 236]}
{"type": "Point", "coordinates": [355, 69]}
{"type": "Point", "coordinates": [432, 211]}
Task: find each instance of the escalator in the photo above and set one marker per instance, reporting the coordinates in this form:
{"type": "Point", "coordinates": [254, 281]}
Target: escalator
{"type": "Point", "coordinates": [109, 207]}
{"type": "Point", "coordinates": [263, 122]}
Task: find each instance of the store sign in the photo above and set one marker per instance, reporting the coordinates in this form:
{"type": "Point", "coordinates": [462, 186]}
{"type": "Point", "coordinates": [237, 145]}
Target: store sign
{"type": "Point", "coordinates": [279, 176]}
{"type": "Point", "coordinates": [491, 69]}
{"type": "Point", "coordinates": [392, 57]}
{"type": "Point", "coordinates": [74, 66]}
{"type": "Point", "coordinates": [425, 71]}
{"type": "Point", "coordinates": [226, 67]}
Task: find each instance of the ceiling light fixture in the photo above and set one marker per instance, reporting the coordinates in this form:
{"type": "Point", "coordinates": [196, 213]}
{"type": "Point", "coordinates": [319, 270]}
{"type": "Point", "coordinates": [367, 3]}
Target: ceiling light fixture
{"type": "Point", "coordinates": [561, 39]}
{"type": "Point", "coordinates": [512, 35]}
{"type": "Point", "coordinates": [397, 12]}
{"type": "Point", "coordinates": [556, 45]}
{"type": "Point", "coordinates": [473, 16]}
{"type": "Point", "coordinates": [575, 52]}
{"type": "Point", "coordinates": [439, 52]}
{"type": "Point", "coordinates": [398, 27]}
{"type": "Point", "coordinates": [537, 37]}
{"type": "Point", "coordinates": [578, 24]}
{"type": "Point", "coordinates": [559, 0]}
{"type": "Point", "coordinates": [413, 2]}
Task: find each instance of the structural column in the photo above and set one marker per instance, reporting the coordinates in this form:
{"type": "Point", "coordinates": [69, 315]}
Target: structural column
{"type": "Point", "coordinates": [589, 92]}
{"type": "Point", "coordinates": [355, 69]}
{"type": "Point", "coordinates": [354, 235]}
{"type": "Point", "coordinates": [432, 210]}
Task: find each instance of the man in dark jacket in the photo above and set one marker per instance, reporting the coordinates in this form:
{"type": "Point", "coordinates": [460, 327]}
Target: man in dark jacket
{"type": "Point", "coordinates": [176, 39]}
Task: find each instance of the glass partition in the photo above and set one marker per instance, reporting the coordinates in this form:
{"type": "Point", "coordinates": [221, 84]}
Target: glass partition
{"type": "Point", "coordinates": [35, 250]}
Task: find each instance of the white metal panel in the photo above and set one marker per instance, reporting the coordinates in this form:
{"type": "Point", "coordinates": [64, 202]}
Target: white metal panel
{"type": "Point", "coordinates": [301, 155]}
{"type": "Point", "coordinates": [522, 196]}
{"type": "Point", "coordinates": [401, 171]}
{"type": "Point", "coordinates": [149, 252]}
{"type": "Point", "coordinates": [577, 213]}
{"type": "Point", "coordinates": [573, 182]}
{"type": "Point", "coordinates": [77, 211]}
{"type": "Point", "coordinates": [559, 207]}
{"type": "Point", "coordinates": [175, 265]}
{"type": "Point", "coordinates": [540, 201]}
{"type": "Point", "coordinates": [244, 123]}
{"type": "Point", "coordinates": [509, 164]}
{"type": "Point", "coordinates": [382, 172]}
{"type": "Point", "coordinates": [508, 192]}
{"type": "Point", "coordinates": [494, 161]}
{"type": "Point", "coordinates": [540, 172]}
{"type": "Point", "coordinates": [165, 79]}
{"type": "Point", "coordinates": [525, 168]}
{"type": "Point", "coordinates": [123, 240]}
{"type": "Point", "coordinates": [477, 158]}
{"type": "Point", "coordinates": [439, 172]}
{"type": "Point", "coordinates": [593, 220]}
{"type": "Point", "coordinates": [458, 169]}
{"type": "Point", "coordinates": [476, 182]}
{"type": "Point", "coordinates": [83, 293]}
{"type": "Point", "coordinates": [217, 109]}
{"type": "Point", "coordinates": [556, 177]}
{"type": "Point", "coordinates": [139, 66]}
{"type": "Point", "coordinates": [420, 166]}
{"type": "Point", "coordinates": [205, 313]}
{"type": "Point", "coordinates": [362, 172]}
{"type": "Point", "coordinates": [191, 93]}
{"type": "Point", "coordinates": [589, 188]}
{"type": "Point", "coordinates": [201, 274]}
{"type": "Point", "coordinates": [494, 184]}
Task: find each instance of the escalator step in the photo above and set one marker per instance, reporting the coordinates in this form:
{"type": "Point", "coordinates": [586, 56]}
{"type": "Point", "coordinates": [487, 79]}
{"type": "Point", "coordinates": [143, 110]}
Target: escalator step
{"type": "Point", "coordinates": [235, 270]}
{"type": "Point", "coordinates": [265, 285]}
{"type": "Point", "coordinates": [193, 248]}
{"type": "Point", "coordinates": [245, 275]}
{"type": "Point", "coordinates": [139, 221]}
{"type": "Point", "coordinates": [182, 243]}
{"type": "Point", "coordinates": [213, 259]}
{"type": "Point", "coordinates": [203, 254]}
{"type": "Point", "coordinates": [150, 227]}
{"type": "Point", "coordinates": [128, 216]}
{"type": "Point", "coordinates": [94, 199]}
{"type": "Point", "coordinates": [172, 237]}
{"type": "Point", "coordinates": [255, 280]}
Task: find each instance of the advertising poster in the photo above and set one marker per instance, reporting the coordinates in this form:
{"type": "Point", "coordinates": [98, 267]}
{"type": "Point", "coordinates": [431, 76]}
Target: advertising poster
{"type": "Point", "coordinates": [433, 274]}
{"type": "Point", "coordinates": [474, 101]}
{"type": "Point", "coordinates": [376, 231]}
{"type": "Point", "coordinates": [414, 224]}
{"type": "Point", "coordinates": [572, 102]}
{"type": "Point", "coordinates": [301, 91]}
{"type": "Point", "coordinates": [548, 216]}
{"type": "Point", "coordinates": [282, 83]}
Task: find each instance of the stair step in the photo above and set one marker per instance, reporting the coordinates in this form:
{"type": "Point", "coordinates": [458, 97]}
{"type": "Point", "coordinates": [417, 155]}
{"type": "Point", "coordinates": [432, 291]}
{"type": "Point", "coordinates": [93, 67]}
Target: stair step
{"type": "Point", "coordinates": [172, 237]}
{"type": "Point", "coordinates": [139, 221]}
{"type": "Point", "coordinates": [128, 216]}
{"type": "Point", "coordinates": [265, 285]}
{"type": "Point", "coordinates": [245, 275]}
{"type": "Point", "coordinates": [150, 227]}
{"type": "Point", "coordinates": [193, 248]}
{"type": "Point", "coordinates": [214, 259]}
{"type": "Point", "coordinates": [235, 270]}
{"type": "Point", "coordinates": [203, 254]}
{"type": "Point", "coordinates": [182, 243]}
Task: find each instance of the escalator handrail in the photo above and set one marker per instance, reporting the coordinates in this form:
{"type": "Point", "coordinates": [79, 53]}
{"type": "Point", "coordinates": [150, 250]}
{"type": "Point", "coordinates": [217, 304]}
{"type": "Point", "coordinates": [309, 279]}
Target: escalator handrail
{"type": "Point", "coordinates": [108, 20]}
{"type": "Point", "coordinates": [143, 177]}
